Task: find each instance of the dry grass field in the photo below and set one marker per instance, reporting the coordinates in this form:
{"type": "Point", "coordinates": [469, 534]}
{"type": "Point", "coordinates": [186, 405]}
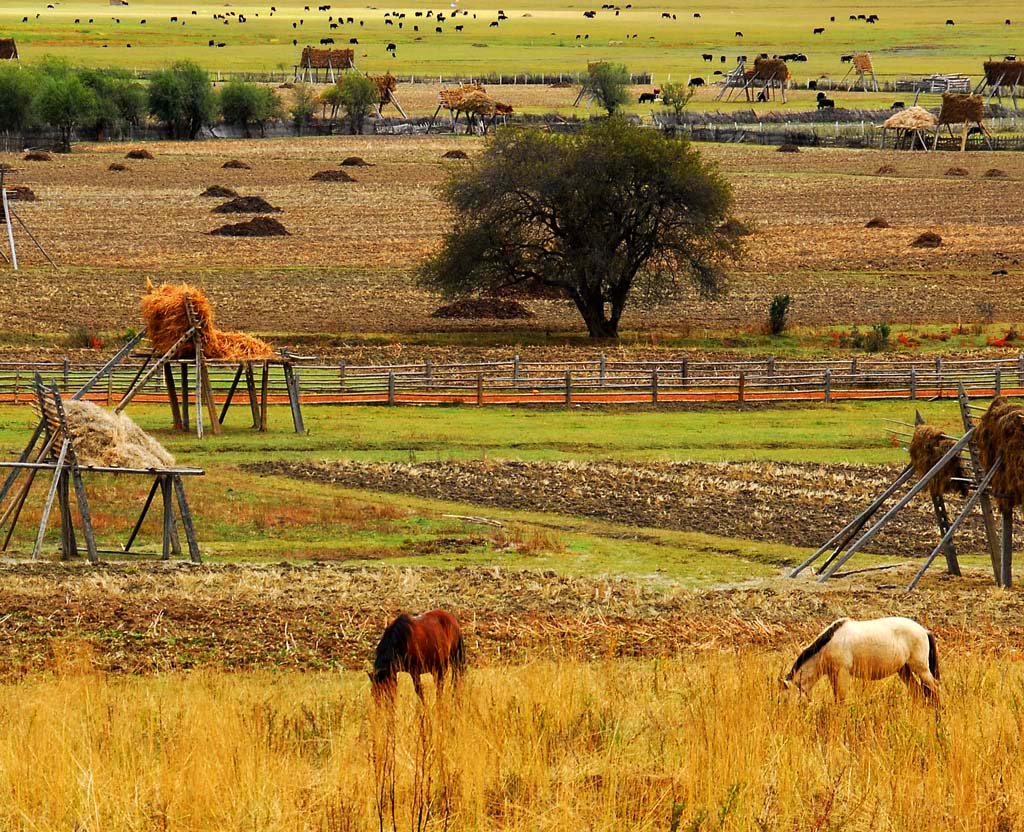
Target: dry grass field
{"type": "Point", "coordinates": [348, 265]}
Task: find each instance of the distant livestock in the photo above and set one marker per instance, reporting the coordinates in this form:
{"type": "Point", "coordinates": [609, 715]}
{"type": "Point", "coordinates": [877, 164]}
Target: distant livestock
{"type": "Point", "coordinates": [819, 31]}
{"type": "Point", "coordinates": [647, 97]}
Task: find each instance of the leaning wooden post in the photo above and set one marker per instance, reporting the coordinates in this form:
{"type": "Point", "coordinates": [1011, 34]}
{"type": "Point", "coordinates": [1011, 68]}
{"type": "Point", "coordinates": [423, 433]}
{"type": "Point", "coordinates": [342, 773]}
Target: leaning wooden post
{"type": "Point", "coordinates": [938, 373]}
{"type": "Point", "coordinates": [172, 395]}
{"type": "Point", "coordinates": [999, 382]}
{"type": "Point", "coordinates": [1006, 565]}
{"type": "Point", "coordinates": [264, 384]}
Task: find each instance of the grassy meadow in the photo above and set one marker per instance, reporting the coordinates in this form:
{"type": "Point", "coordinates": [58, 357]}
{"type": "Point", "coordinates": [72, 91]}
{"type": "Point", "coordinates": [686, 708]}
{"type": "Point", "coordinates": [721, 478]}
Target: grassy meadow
{"type": "Point", "coordinates": [702, 742]}
{"type": "Point", "coordinates": [539, 36]}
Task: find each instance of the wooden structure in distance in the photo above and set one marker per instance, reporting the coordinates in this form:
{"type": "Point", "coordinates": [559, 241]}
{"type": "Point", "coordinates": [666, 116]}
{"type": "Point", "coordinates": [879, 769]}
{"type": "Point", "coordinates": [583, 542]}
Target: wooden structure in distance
{"type": "Point", "coordinates": [331, 61]}
{"type": "Point", "coordinates": [202, 391]}
{"type": "Point", "coordinates": [862, 66]}
{"type": "Point", "coordinates": [768, 79]}
{"type": "Point", "coordinates": [58, 455]}
{"type": "Point", "coordinates": [965, 110]}
{"type": "Point", "coordinates": [1002, 78]}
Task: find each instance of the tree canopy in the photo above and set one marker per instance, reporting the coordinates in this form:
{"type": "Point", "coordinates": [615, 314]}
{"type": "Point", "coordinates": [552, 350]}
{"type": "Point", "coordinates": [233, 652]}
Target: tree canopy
{"type": "Point", "coordinates": [608, 84]}
{"type": "Point", "coordinates": [243, 103]}
{"type": "Point", "coordinates": [597, 216]}
{"type": "Point", "coordinates": [181, 97]}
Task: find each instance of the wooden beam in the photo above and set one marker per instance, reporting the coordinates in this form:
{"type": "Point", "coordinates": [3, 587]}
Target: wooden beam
{"type": "Point", "coordinates": [186, 520]}
{"type": "Point", "coordinates": [48, 505]}
{"type": "Point", "coordinates": [172, 395]}
{"type": "Point", "coordinates": [142, 515]}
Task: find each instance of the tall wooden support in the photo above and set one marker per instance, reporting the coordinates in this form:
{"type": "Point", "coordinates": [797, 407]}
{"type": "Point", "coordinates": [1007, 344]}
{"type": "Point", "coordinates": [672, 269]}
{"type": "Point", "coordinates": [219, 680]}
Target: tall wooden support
{"type": "Point", "coordinates": [1006, 565]}
{"type": "Point", "coordinates": [988, 516]}
{"type": "Point", "coordinates": [942, 518]}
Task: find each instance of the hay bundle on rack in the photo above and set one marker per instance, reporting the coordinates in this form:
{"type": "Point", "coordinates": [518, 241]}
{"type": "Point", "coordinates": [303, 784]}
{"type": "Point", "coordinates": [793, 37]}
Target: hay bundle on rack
{"type": "Point", "coordinates": [913, 118]}
{"type": "Point", "coordinates": [327, 58]}
{"type": "Point", "coordinates": [1010, 73]}
{"type": "Point", "coordinates": [770, 69]}
{"type": "Point", "coordinates": [961, 109]}
{"type": "Point", "coordinates": [927, 447]}
{"type": "Point", "coordinates": [478, 102]}
{"type": "Point", "coordinates": [103, 437]}
{"type": "Point", "coordinates": [166, 318]}
{"type": "Point", "coordinates": [1001, 434]}
{"type": "Point", "coordinates": [862, 62]}
{"type": "Point", "coordinates": [386, 84]}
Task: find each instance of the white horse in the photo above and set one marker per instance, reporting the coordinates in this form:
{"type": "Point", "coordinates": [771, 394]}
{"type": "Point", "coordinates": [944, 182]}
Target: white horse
{"type": "Point", "coordinates": [869, 650]}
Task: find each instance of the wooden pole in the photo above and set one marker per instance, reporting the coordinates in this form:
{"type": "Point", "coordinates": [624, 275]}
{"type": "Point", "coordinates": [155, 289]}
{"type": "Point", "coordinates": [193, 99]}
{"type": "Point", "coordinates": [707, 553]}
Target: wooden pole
{"type": "Point", "coordinates": [48, 505]}
{"type": "Point", "coordinates": [1006, 570]}
{"type": "Point", "coordinates": [264, 382]}
{"type": "Point", "coordinates": [172, 395]}
{"type": "Point", "coordinates": [142, 515]}
{"type": "Point", "coordinates": [231, 394]}
{"type": "Point", "coordinates": [254, 404]}
{"type": "Point", "coordinates": [185, 418]}
{"type": "Point", "coordinates": [186, 519]}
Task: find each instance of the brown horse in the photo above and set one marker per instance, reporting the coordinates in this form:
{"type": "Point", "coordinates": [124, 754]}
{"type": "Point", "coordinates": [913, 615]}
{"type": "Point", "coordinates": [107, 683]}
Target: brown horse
{"type": "Point", "coordinates": [430, 643]}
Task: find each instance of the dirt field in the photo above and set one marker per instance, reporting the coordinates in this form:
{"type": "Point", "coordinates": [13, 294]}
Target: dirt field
{"type": "Point", "coordinates": [800, 505]}
{"type": "Point", "coordinates": [151, 617]}
{"type": "Point", "coordinates": [347, 266]}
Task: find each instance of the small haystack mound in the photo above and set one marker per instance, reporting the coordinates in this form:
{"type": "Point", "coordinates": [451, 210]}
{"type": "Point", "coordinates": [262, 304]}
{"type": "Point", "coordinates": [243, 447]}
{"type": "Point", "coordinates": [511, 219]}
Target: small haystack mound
{"type": "Point", "coordinates": [1001, 434]}
{"type": "Point", "coordinates": [246, 205]}
{"type": "Point", "coordinates": [219, 191]}
{"type": "Point", "coordinates": [103, 437]}
{"type": "Point", "coordinates": [927, 447]}
{"type": "Point", "coordinates": [455, 154]}
{"type": "Point", "coordinates": [995, 173]}
{"type": "Point", "coordinates": [958, 172]}
{"type": "Point", "coordinates": [256, 227]}
{"type": "Point", "coordinates": [877, 222]}
{"type": "Point", "coordinates": [331, 176]}
{"type": "Point", "coordinates": [913, 118]}
{"type": "Point", "coordinates": [788, 148]}
{"type": "Point", "coordinates": [355, 162]}
{"type": "Point", "coordinates": [929, 239]}
{"type": "Point", "coordinates": [116, 166]}
{"type": "Point", "coordinates": [138, 153]}
{"type": "Point", "coordinates": [22, 193]}
{"type": "Point", "coordinates": [734, 227]}
{"type": "Point", "coordinates": [886, 170]}
{"type": "Point", "coordinates": [235, 164]}
{"type": "Point", "coordinates": [37, 156]}
{"type": "Point", "coordinates": [166, 319]}
{"type": "Point", "coordinates": [504, 310]}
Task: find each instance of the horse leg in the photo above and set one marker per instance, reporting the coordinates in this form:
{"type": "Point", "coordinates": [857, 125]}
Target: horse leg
{"type": "Point", "coordinates": [439, 681]}
{"type": "Point", "coordinates": [914, 687]}
{"type": "Point", "coordinates": [417, 685]}
{"type": "Point", "coordinates": [930, 685]}
{"type": "Point", "coordinates": [840, 679]}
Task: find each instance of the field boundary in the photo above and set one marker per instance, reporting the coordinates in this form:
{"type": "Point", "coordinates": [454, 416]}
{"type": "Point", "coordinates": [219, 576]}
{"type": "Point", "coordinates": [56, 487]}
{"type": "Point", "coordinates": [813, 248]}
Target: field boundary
{"type": "Point", "coordinates": [596, 381]}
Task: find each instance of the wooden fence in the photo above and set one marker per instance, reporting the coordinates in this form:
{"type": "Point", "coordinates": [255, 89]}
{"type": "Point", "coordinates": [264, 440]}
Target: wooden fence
{"type": "Point", "coordinates": [598, 381]}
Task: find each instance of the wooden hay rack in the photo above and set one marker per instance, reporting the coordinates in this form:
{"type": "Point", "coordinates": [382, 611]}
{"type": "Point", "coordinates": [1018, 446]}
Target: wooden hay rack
{"type": "Point", "coordinates": [331, 61]}
{"type": "Point", "coordinates": [191, 340]}
{"type": "Point", "coordinates": [861, 73]}
{"type": "Point", "coordinates": [967, 111]}
{"type": "Point", "coordinates": [911, 128]}
{"type": "Point", "coordinates": [58, 454]}
{"type": "Point", "coordinates": [965, 465]}
{"type": "Point", "coordinates": [1002, 78]}
{"type": "Point", "coordinates": [470, 101]}
{"type": "Point", "coordinates": [386, 86]}
{"type": "Point", "coordinates": [768, 78]}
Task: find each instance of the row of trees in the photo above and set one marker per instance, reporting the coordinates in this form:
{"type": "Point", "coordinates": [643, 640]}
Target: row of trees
{"type": "Point", "coordinates": [96, 103]}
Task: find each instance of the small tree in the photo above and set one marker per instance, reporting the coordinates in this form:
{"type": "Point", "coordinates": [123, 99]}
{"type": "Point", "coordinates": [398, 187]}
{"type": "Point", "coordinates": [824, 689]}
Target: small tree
{"type": "Point", "coordinates": [181, 97]}
{"type": "Point", "coordinates": [64, 102]}
{"type": "Point", "coordinates": [778, 313]}
{"type": "Point", "coordinates": [242, 104]}
{"type": "Point", "coordinates": [358, 95]}
{"type": "Point", "coordinates": [303, 106]}
{"type": "Point", "coordinates": [16, 93]}
{"type": "Point", "coordinates": [120, 101]}
{"type": "Point", "coordinates": [676, 96]}
{"type": "Point", "coordinates": [609, 85]}
{"type": "Point", "coordinates": [594, 216]}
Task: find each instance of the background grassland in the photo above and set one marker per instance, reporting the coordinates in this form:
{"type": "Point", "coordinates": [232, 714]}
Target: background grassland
{"type": "Point", "coordinates": [705, 741]}
{"type": "Point", "coordinates": [539, 36]}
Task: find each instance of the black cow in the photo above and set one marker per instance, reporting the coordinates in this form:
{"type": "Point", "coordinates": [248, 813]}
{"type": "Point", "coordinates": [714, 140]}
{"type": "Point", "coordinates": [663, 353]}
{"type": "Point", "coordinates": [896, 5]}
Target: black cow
{"type": "Point", "coordinates": [846, 58]}
{"type": "Point", "coordinates": [832, 19]}
{"type": "Point", "coordinates": [821, 96]}
{"type": "Point", "coordinates": [389, 22]}
{"type": "Point", "coordinates": [898, 105]}
{"type": "Point", "coordinates": [439, 30]}
{"type": "Point", "coordinates": [459, 28]}
{"type": "Point", "coordinates": [647, 97]}
{"type": "Point", "coordinates": [219, 45]}
{"type": "Point", "coordinates": [194, 13]}
{"type": "Point", "coordinates": [826, 104]}
{"type": "Point", "coordinates": [819, 31]}
{"type": "Point", "coordinates": [1006, 22]}
{"type": "Point", "coordinates": [142, 22]}
{"type": "Point", "coordinates": [353, 41]}
{"type": "Point", "coordinates": [723, 59]}
{"type": "Point", "coordinates": [590, 14]}
{"type": "Point", "coordinates": [349, 19]}
{"type": "Point", "coordinates": [325, 41]}
{"type": "Point", "coordinates": [1010, 58]}
{"type": "Point", "coordinates": [853, 17]}
{"type": "Point", "coordinates": [391, 47]}
{"type": "Point", "coordinates": [762, 96]}
{"type": "Point", "coordinates": [717, 72]}
{"type": "Point", "coordinates": [812, 85]}
{"type": "Point", "coordinates": [173, 20]}
{"type": "Point", "coordinates": [739, 34]}
{"type": "Point", "coordinates": [211, 43]}
{"type": "Point", "coordinates": [696, 15]}
{"type": "Point", "coordinates": [294, 42]}
{"type": "Point", "coordinates": [708, 58]}
{"type": "Point", "coordinates": [695, 82]}
{"type": "Point", "coordinates": [666, 15]}
{"type": "Point", "coordinates": [334, 26]}
{"type": "Point", "coordinates": [494, 24]}
{"type": "Point", "coordinates": [950, 23]}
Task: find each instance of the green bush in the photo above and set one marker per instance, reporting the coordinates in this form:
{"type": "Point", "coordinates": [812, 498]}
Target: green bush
{"type": "Point", "coordinates": [609, 85]}
{"type": "Point", "coordinates": [64, 102]}
{"type": "Point", "coordinates": [777, 314]}
{"type": "Point", "coordinates": [242, 104]}
{"type": "Point", "coordinates": [182, 99]}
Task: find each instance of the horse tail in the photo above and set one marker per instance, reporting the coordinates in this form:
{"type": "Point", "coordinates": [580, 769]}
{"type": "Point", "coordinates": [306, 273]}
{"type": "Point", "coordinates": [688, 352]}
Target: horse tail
{"type": "Point", "coordinates": [458, 657]}
{"type": "Point", "coordinates": [933, 657]}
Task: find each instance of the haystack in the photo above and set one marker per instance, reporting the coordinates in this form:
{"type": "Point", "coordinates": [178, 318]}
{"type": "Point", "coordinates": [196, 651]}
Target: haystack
{"type": "Point", "coordinates": [22, 193]}
{"type": "Point", "coordinates": [236, 164]}
{"type": "Point", "coordinates": [995, 173]}
{"type": "Point", "coordinates": [770, 69]}
{"type": "Point", "coordinates": [331, 176]}
{"type": "Point", "coordinates": [913, 118]}
{"type": "Point", "coordinates": [1001, 435]}
{"type": "Point", "coordinates": [138, 153]}
{"type": "Point", "coordinates": [117, 166]}
{"type": "Point", "coordinates": [788, 148]}
{"type": "Point", "coordinates": [103, 437]}
{"type": "Point", "coordinates": [256, 227]}
{"type": "Point", "coordinates": [961, 109]}
{"type": "Point", "coordinates": [166, 319]}
{"type": "Point", "coordinates": [928, 239]}
{"type": "Point", "coordinates": [219, 191]}
{"type": "Point", "coordinates": [886, 170]}
{"type": "Point", "coordinates": [314, 58]}
{"type": "Point", "coordinates": [956, 171]}
{"type": "Point", "coordinates": [927, 447]}
{"type": "Point", "coordinates": [455, 154]}
{"type": "Point", "coordinates": [246, 205]}
{"type": "Point", "coordinates": [354, 162]}
{"type": "Point", "coordinates": [1004, 73]}
{"type": "Point", "coordinates": [877, 222]}
{"type": "Point", "coordinates": [37, 156]}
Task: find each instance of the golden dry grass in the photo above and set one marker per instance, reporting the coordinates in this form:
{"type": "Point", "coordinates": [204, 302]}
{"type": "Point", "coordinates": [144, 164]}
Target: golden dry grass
{"type": "Point", "coordinates": [705, 742]}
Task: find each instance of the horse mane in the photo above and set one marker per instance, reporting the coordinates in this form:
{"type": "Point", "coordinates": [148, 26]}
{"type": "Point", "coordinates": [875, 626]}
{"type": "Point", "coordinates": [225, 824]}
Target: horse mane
{"type": "Point", "coordinates": [392, 645]}
{"type": "Point", "coordinates": [816, 646]}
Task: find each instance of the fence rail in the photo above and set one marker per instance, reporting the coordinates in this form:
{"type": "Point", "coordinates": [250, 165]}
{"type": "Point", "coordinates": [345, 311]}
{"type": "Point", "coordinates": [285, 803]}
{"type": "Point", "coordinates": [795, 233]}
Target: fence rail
{"type": "Point", "coordinates": [598, 380]}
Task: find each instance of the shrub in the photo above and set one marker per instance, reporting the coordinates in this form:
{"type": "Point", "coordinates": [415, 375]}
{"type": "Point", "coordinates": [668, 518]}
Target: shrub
{"type": "Point", "coordinates": [777, 314]}
{"type": "Point", "coordinates": [357, 95]}
{"type": "Point", "coordinates": [676, 95]}
{"type": "Point", "coordinates": [609, 85]}
{"type": "Point", "coordinates": [243, 103]}
{"type": "Point", "coordinates": [181, 97]}
{"type": "Point", "coordinates": [64, 103]}
{"type": "Point", "coordinates": [303, 106]}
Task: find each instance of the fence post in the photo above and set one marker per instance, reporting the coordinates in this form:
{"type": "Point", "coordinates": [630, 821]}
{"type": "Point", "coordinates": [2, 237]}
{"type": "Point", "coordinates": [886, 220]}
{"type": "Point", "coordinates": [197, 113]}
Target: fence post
{"type": "Point", "coordinates": [479, 388]}
{"type": "Point", "coordinates": [341, 375]}
{"type": "Point", "coordinates": [568, 387]}
{"type": "Point", "coordinates": [654, 385]}
{"type": "Point", "coordinates": [602, 370]}
{"type": "Point", "coordinates": [1020, 369]}
{"type": "Point", "coordinates": [999, 381]}
{"type": "Point", "coordinates": [66, 368]}
{"type": "Point", "coordinates": [391, 387]}
{"type": "Point", "coordinates": [684, 371]}
{"type": "Point", "coordinates": [742, 382]}
{"type": "Point", "coordinates": [428, 370]}
{"type": "Point", "coordinates": [828, 385]}
{"type": "Point", "coordinates": [913, 383]}
{"type": "Point", "coordinates": [938, 373]}
{"type": "Point", "coordinates": [515, 369]}
{"type": "Point", "coordinates": [110, 388]}
{"type": "Point", "coordinates": [771, 365]}
{"type": "Point", "coordinates": [17, 384]}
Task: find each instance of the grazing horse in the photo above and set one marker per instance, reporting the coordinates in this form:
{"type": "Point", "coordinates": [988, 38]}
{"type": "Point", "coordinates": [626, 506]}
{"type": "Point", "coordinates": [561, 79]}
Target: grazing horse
{"type": "Point", "coordinates": [873, 650]}
{"type": "Point", "coordinates": [431, 643]}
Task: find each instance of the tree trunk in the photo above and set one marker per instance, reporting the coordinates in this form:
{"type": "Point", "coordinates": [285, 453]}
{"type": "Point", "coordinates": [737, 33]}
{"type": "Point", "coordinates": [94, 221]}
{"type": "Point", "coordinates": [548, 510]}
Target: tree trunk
{"type": "Point", "coordinates": [592, 310]}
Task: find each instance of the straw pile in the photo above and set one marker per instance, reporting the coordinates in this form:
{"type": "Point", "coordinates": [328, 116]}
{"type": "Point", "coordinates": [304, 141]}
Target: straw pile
{"type": "Point", "coordinates": [22, 193]}
{"type": "Point", "coordinates": [331, 176]}
{"type": "Point", "coordinates": [1001, 434]}
{"type": "Point", "coordinates": [246, 205]}
{"type": "Point", "coordinates": [877, 222]}
{"type": "Point", "coordinates": [256, 227]}
{"type": "Point", "coordinates": [862, 62]}
{"type": "Point", "coordinates": [37, 156]}
{"type": "Point", "coordinates": [117, 166]}
{"type": "Point", "coordinates": [788, 148]}
{"type": "Point", "coordinates": [138, 153]}
{"type": "Point", "coordinates": [327, 58]}
{"type": "Point", "coordinates": [929, 239]}
{"type": "Point", "coordinates": [163, 311]}
{"type": "Point", "coordinates": [455, 154]}
{"type": "Point", "coordinates": [913, 118]}
{"type": "Point", "coordinates": [8, 49]}
{"type": "Point", "coordinates": [1004, 73]}
{"type": "Point", "coordinates": [219, 191]}
{"type": "Point", "coordinates": [236, 164]}
{"type": "Point", "coordinates": [386, 84]}
{"type": "Point", "coordinates": [995, 173]}
{"type": "Point", "coordinates": [927, 447]}
{"type": "Point", "coordinates": [886, 170]}
{"type": "Point", "coordinates": [961, 109]}
{"type": "Point", "coordinates": [452, 98]}
{"type": "Point", "coordinates": [957, 172]}
{"type": "Point", "coordinates": [102, 437]}
{"type": "Point", "coordinates": [354, 162]}
{"type": "Point", "coordinates": [770, 69]}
